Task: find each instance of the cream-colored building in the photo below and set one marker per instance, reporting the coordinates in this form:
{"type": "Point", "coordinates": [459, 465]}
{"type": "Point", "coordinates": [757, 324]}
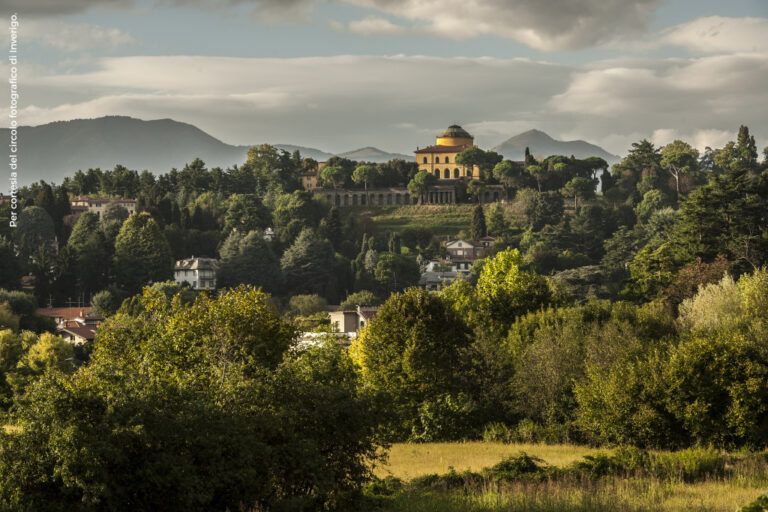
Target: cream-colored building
{"type": "Point", "coordinates": [440, 159]}
{"type": "Point", "coordinates": [97, 205]}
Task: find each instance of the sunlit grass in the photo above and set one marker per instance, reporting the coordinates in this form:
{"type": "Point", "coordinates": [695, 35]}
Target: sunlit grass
{"type": "Point", "coordinates": [407, 460]}
{"type": "Point", "coordinates": [745, 478]}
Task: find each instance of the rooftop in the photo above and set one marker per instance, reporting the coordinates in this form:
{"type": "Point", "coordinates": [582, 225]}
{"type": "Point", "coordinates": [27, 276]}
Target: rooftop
{"type": "Point", "coordinates": [444, 149]}
{"type": "Point", "coordinates": [195, 264]}
{"type": "Point", "coordinates": [456, 131]}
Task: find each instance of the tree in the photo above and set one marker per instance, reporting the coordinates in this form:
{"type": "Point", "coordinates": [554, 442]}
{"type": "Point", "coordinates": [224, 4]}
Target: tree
{"type": "Point", "coordinates": [653, 200]}
{"type": "Point", "coordinates": [544, 208]}
{"type": "Point", "coordinates": [334, 176]}
{"type": "Point", "coordinates": [583, 188]}
{"type": "Point", "coordinates": [365, 174]}
{"type": "Point", "coordinates": [308, 264]}
{"type": "Point", "coordinates": [679, 158]}
{"type": "Point", "coordinates": [89, 251]}
{"type": "Point", "coordinates": [114, 211]}
{"type": "Point", "coordinates": [246, 258]}
{"type": "Point", "coordinates": [478, 229]}
{"type": "Point", "coordinates": [35, 231]}
{"type": "Point", "coordinates": [360, 298]}
{"type": "Point", "coordinates": [510, 175]}
{"type": "Point", "coordinates": [184, 407]}
{"type": "Point", "coordinates": [142, 253]}
{"type": "Point", "coordinates": [246, 213]}
{"type": "Point", "coordinates": [395, 272]}
{"type": "Point", "coordinates": [475, 188]}
{"type": "Point", "coordinates": [505, 292]}
{"type": "Point", "coordinates": [10, 267]}
{"type": "Point", "coordinates": [497, 222]}
{"type": "Point", "coordinates": [414, 350]}
{"type": "Point", "coordinates": [305, 305]}
{"type": "Point", "coordinates": [331, 228]}
{"type": "Point", "coordinates": [420, 185]}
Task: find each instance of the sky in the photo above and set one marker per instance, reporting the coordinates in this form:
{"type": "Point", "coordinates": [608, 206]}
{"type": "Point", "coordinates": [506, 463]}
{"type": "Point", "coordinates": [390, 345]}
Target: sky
{"type": "Point", "coordinates": [342, 74]}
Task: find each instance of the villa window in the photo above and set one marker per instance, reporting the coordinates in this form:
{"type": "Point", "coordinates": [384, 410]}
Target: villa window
{"type": "Point", "coordinates": [425, 159]}
{"type": "Point", "coordinates": [456, 173]}
{"type": "Point", "coordinates": [437, 173]}
{"type": "Point", "coordinates": [446, 174]}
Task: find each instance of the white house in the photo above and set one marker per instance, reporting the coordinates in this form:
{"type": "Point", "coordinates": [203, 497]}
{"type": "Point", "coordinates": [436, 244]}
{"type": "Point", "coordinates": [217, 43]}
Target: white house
{"type": "Point", "coordinates": [199, 273]}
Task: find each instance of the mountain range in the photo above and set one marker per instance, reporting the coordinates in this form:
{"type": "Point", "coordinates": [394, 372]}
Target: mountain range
{"type": "Point", "coordinates": [542, 145]}
{"type": "Point", "coordinates": [55, 150]}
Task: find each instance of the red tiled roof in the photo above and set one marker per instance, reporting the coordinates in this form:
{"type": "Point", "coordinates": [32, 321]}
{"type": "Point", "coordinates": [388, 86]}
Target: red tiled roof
{"type": "Point", "coordinates": [87, 331]}
{"type": "Point", "coordinates": [444, 149]}
{"type": "Point", "coordinates": [65, 313]}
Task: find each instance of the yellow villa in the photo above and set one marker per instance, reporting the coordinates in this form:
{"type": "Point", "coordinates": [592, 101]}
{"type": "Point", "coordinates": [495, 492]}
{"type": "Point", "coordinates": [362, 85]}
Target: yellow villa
{"type": "Point", "coordinates": [440, 159]}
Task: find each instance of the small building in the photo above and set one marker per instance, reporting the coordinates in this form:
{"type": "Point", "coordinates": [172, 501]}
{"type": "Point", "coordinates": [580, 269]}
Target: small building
{"type": "Point", "coordinates": [464, 250]}
{"type": "Point", "coordinates": [199, 273]}
{"type": "Point", "coordinates": [434, 281]}
{"type": "Point", "coordinates": [352, 320]}
{"type": "Point", "coordinates": [79, 335]}
{"type": "Point", "coordinates": [97, 205]}
{"type": "Point", "coordinates": [64, 316]}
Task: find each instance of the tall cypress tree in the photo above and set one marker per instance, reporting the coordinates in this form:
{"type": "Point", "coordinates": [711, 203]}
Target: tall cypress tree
{"type": "Point", "coordinates": [478, 229]}
{"type": "Point", "coordinates": [142, 253]}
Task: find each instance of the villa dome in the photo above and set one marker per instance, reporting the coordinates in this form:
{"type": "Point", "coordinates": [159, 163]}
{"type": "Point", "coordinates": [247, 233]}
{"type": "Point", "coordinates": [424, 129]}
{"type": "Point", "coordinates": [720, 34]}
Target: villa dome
{"type": "Point", "coordinates": [455, 131]}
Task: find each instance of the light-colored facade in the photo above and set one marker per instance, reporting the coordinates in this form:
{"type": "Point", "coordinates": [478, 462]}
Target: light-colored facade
{"type": "Point", "coordinates": [199, 273]}
{"type": "Point", "coordinates": [352, 320]}
{"type": "Point", "coordinates": [98, 205]}
{"type": "Point", "coordinates": [440, 159]}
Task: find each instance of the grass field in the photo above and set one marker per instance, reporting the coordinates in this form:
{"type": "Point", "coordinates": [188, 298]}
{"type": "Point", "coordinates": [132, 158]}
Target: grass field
{"type": "Point", "coordinates": [407, 460]}
{"type": "Point", "coordinates": [441, 219]}
{"type": "Point", "coordinates": [742, 479]}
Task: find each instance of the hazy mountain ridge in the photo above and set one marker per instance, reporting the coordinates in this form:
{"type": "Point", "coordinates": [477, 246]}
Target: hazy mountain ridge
{"type": "Point", "coordinates": [542, 145]}
{"type": "Point", "coordinates": [55, 150]}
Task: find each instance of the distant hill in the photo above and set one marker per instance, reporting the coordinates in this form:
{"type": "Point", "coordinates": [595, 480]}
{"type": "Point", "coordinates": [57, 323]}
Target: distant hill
{"type": "Point", "coordinates": [315, 154]}
{"type": "Point", "coordinates": [371, 154]}
{"type": "Point", "coordinates": [542, 145]}
{"type": "Point", "coordinates": [55, 150]}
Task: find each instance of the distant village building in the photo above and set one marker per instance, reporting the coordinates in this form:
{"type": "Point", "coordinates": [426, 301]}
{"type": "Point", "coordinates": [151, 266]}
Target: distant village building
{"type": "Point", "coordinates": [80, 334]}
{"type": "Point", "coordinates": [97, 205]}
{"type": "Point", "coordinates": [77, 325]}
{"type": "Point", "coordinates": [199, 273]}
{"type": "Point", "coordinates": [61, 316]}
{"type": "Point", "coordinates": [352, 320]}
{"type": "Point", "coordinates": [434, 281]}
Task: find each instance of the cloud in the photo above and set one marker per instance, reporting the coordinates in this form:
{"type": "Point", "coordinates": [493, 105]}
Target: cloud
{"type": "Point", "coordinates": [400, 102]}
{"type": "Point", "coordinates": [71, 37]}
{"type": "Point", "coordinates": [43, 8]}
{"type": "Point", "coordinates": [547, 25]}
{"type": "Point", "coordinates": [716, 34]}
{"type": "Point", "coordinates": [374, 25]}
{"type": "Point", "coordinates": [699, 139]}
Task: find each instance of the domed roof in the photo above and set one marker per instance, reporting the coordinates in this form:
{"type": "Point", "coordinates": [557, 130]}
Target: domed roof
{"type": "Point", "coordinates": [456, 131]}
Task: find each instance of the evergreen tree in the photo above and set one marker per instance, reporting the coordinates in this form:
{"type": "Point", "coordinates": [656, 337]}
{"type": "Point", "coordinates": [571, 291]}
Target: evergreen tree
{"type": "Point", "coordinates": [478, 228]}
{"type": "Point", "coordinates": [247, 259]}
{"type": "Point", "coordinates": [89, 253]}
{"type": "Point", "coordinates": [331, 228]}
{"type": "Point", "coordinates": [497, 223]}
{"type": "Point", "coordinates": [142, 253]}
{"type": "Point", "coordinates": [10, 267]}
{"type": "Point", "coordinates": [246, 213]}
{"type": "Point", "coordinates": [308, 264]}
